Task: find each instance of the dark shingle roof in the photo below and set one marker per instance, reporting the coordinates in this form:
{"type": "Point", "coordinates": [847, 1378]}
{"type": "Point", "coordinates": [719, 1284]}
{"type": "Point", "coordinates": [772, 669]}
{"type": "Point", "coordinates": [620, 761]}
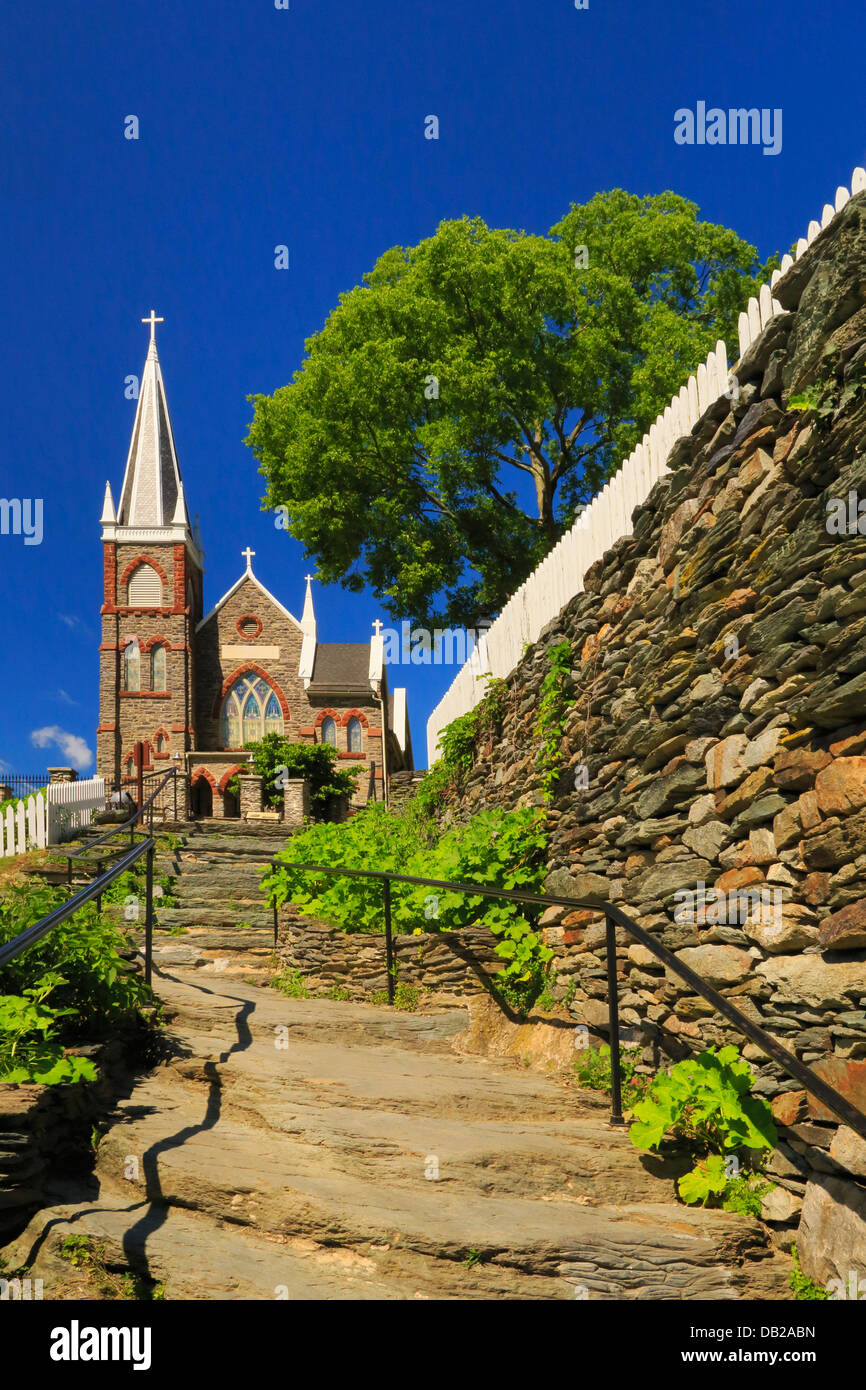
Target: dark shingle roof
{"type": "Point", "coordinates": [342, 663]}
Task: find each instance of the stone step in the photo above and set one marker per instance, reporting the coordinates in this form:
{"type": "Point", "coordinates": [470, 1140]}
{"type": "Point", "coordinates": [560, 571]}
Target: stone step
{"type": "Point", "coordinates": [367, 1133]}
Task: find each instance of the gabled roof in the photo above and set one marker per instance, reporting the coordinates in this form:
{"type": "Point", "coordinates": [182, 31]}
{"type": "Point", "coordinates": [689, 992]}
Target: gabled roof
{"type": "Point", "coordinates": [341, 663]}
{"type": "Point", "coordinates": [151, 482]}
{"type": "Point", "coordinates": [247, 575]}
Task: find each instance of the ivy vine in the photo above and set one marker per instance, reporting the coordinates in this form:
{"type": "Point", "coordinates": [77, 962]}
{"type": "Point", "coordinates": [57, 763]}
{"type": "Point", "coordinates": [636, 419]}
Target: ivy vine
{"type": "Point", "coordinates": [552, 711]}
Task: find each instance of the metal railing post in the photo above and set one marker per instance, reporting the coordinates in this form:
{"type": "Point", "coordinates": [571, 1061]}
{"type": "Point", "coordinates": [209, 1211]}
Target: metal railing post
{"type": "Point", "coordinates": [69, 870]}
{"type": "Point", "coordinates": [100, 869]}
{"type": "Point", "coordinates": [389, 945]}
{"type": "Point", "coordinates": [616, 1116]}
{"type": "Point", "coordinates": [148, 918]}
{"type": "Point", "coordinates": [174, 779]}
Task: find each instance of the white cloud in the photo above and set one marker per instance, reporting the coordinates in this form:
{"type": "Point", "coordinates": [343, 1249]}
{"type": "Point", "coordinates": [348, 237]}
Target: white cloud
{"type": "Point", "coordinates": [71, 745]}
{"type": "Point", "coordinates": [65, 698]}
{"type": "Point", "coordinates": [70, 620]}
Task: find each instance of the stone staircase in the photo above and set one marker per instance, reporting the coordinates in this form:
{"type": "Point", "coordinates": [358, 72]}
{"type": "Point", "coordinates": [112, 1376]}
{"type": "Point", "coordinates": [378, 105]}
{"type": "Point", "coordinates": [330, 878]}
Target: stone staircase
{"type": "Point", "coordinates": [220, 923]}
{"type": "Point", "coordinates": [311, 1149]}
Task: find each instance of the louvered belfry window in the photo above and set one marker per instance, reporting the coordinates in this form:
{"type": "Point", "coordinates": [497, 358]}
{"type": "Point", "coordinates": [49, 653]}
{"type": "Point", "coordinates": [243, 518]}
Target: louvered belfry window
{"type": "Point", "coordinates": [145, 588]}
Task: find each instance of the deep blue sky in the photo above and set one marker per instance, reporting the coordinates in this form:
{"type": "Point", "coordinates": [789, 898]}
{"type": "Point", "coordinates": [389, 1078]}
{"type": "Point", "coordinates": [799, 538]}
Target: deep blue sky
{"type": "Point", "coordinates": [305, 127]}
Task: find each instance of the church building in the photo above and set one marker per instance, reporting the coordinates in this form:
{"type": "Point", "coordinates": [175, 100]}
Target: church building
{"type": "Point", "coordinates": [191, 686]}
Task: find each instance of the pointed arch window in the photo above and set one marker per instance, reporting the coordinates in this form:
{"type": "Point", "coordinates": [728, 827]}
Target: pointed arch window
{"type": "Point", "coordinates": [161, 743]}
{"type": "Point", "coordinates": [157, 670]}
{"type": "Point", "coordinates": [250, 710]}
{"type": "Point", "coordinates": [354, 732]}
{"type": "Point", "coordinates": [131, 667]}
{"type": "Point", "coordinates": [329, 732]}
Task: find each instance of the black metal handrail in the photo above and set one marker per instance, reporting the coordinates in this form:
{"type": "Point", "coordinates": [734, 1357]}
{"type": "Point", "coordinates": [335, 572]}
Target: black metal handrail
{"type": "Point", "coordinates": [10, 949]}
{"type": "Point", "coordinates": [104, 878]}
{"type": "Point", "coordinates": [614, 917]}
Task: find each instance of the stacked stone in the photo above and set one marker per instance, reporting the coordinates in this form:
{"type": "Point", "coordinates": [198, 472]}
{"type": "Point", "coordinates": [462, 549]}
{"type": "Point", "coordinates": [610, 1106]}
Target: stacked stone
{"type": "Point", "coordinates": [453, 963]}
{"type": "Point", "coordinates": [718, 731]}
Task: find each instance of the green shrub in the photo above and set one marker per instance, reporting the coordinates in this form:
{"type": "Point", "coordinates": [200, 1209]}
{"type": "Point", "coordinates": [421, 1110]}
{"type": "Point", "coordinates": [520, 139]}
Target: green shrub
{"type": "Point", "coordinates": [593, 1071]}
{"type": "Point", "coordinates": [92, 986]}
{"type": "Point", "coordinates": [502, 849]}
{"type": "Point", "coordinates": [803, 1288]}
{"type": "Point", "coordinates": [275, 758]}
{"type": "Point", "coordinates": [29, 1047]}
{"type": "Point", "coordinates": [704, 1100]}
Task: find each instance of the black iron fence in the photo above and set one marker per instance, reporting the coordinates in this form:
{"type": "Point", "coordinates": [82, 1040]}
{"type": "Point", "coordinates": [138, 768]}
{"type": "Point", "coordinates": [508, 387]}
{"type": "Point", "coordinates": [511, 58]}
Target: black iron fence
{"type": "Point", "coordinates": [20, 784]}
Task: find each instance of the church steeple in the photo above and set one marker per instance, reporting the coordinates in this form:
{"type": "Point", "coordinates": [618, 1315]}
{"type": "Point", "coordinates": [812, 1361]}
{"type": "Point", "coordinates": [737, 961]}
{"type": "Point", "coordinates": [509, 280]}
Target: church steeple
{"type": "Point", "coordinates": [151, 484]}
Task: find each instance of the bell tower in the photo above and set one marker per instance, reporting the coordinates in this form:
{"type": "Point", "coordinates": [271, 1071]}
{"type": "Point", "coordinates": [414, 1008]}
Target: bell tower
{"type": "Point", "coordinates": [153, 567]}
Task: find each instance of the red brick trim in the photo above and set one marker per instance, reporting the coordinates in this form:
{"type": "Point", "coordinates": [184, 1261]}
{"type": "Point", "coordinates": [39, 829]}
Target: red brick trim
{"type": "Point", "coordinates": [180, 729]}
{"type": "Point", "coordinates": [110, 572]}
{"type": "Point", "coordinates": [180, 576]}
{"type": "Point", "coordinates": [202, 772]}
{"type": "Point", "coordinates": [355, 714]}
{"type": "Point", "coordinates": [124, 611]}
{"type": "Point", "coordinates": [107, 729]}
{"type": "Point", "coordinates": [374, 733]}
{"type": "Point", "coordinates": [226, 778]}
{"type": "Point", "coordinates": [164, 733]}
{"type": "Point", "coordinates": [145, 694]}
{"type": "Point", "coordinates": [158, 640]}
{"type": "Point", "coordinates": [355, 757]}
{"type": "Point", "coordinates": [327, 714]}
{"type": "Point", "coordinates": [142, 560]}
{"type": "Point", "coordinates": [245, 618]}
{"type": "Point", "coordinates": [248, 668]}
{"type": "Point", "coordinates": [308, 731]}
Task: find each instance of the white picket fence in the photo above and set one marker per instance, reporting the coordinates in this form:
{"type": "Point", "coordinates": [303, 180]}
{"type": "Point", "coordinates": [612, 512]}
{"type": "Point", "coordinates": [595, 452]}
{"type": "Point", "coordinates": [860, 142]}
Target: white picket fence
{"type": "Point", "coordinates": [608, 517]}
{"type": "Point", "coordinates": [51, 816]}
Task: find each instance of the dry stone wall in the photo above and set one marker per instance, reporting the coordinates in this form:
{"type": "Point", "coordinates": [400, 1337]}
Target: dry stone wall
{"type": "Point", "coordinates": [454, 963]}
{"type": "Point", "coordinates": [714, 760]}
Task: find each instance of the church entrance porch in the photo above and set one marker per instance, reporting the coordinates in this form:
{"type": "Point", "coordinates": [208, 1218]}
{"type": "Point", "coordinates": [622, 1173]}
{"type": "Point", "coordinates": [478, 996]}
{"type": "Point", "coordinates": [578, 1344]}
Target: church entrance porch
{"type": "Point", "coordinates": [201, 799]}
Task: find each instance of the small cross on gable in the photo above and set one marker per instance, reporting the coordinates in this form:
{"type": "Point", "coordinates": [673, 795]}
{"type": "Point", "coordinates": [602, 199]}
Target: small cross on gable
{"type": "Point", "coordinates": [248, 556]}
{"type": "Point", "coordinates": [377, 626]}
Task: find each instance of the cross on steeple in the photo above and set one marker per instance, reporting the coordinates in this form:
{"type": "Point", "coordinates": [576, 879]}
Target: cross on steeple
{"type": "Point", "coordinates": [248, 556]}
{"type": "Point", "coordinates": [153, 321]}
{"type": "Point", "coordinates": [377, 626]}
{"type": "Point", "coordinates": [309, 578]}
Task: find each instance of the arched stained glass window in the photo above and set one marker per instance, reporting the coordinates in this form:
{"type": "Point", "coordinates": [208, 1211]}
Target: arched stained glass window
{"type": "Point", "coordinates": [329, 732]}
{"type": "Point", "coordinates": [250, 710]}
{"type": "Point", "coordinates": [157, 658]}
{"type": "Point", "coordinates": [131, 667]}
{"type": "Point", "coordinates": [354, 735]}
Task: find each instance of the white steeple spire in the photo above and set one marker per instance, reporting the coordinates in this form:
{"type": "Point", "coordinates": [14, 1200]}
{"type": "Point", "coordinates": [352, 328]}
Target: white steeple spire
{"type": "Point", "coordinates": [308, 646]}
{"type": "Point", "coordinates": [308, 617]}
{"type": "Point", "coordinates": [151, 483]}
{"type": "Point", "coordinates": [108, 517]}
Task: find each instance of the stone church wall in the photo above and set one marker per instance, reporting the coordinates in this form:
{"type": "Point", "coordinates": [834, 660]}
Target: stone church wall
{"type": "Point", "coordinates": [213, 671]}
{"type": "Point", "coordinates": [716, 738]}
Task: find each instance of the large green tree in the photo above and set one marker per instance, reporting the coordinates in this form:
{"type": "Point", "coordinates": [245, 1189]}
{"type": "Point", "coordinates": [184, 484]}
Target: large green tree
{"type": "Point", "coordinates": [457, 408]}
